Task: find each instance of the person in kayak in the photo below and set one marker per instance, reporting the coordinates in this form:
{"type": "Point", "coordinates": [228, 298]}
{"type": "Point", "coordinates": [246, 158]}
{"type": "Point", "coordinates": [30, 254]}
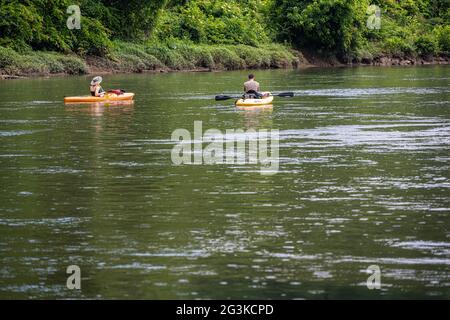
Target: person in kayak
{"type": "Point", "coordinates": [251, 88]}
{"type": "Point", "coordinates": [95, 88]}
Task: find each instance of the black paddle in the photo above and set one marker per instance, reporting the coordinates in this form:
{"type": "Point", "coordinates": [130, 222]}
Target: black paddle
{"type": "Point", "coordinates": [281, 94]}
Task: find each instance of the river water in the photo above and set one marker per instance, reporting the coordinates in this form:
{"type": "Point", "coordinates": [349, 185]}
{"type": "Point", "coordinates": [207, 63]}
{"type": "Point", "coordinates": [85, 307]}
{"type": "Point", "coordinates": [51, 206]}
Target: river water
{"type": "Point", "coordinates": [363, 179]}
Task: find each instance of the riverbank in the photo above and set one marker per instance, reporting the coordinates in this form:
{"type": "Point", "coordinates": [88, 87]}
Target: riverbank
{"type": "Point", "coordinates": [137, 58]}
{"type": "Point", "coordinates": [379, 61]}
{"type": "Point", "coordinates": [180, 56]}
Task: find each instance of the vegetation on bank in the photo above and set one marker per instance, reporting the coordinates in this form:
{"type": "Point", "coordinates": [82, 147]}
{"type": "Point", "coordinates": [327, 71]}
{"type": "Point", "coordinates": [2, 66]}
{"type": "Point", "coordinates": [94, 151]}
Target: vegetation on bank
{"type": "Point", "coordinates": [407, 28]}
{"type": "Point", "coordinates": [140, 35]}
{"type": "Point", "coordinates": [183, 55]}
{"type": "Point", "coordinates": [132, 57]}
{"type": "Point", "coordinates": [39, 62]}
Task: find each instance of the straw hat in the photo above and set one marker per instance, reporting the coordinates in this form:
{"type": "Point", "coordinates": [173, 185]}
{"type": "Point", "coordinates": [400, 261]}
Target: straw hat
{"type": "Point", "coordinates": [96, 80]}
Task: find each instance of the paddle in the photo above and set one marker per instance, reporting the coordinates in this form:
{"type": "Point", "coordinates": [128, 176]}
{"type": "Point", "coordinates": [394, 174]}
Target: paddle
{"type": "Point", "coordinates": [285, 94]}
{"type": "Point", "coordinates": [220, 98]}
{"type": "Point", "coordinates": [281, 94]}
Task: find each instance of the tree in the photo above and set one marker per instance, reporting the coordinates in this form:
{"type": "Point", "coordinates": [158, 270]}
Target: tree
{"type": "Point", "coordinates": [136, 18]}
{"type": "Point", "coordinates": [329, 26]}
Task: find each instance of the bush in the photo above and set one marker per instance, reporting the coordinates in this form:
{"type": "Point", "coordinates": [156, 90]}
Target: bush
{"type": "Point", "coordinates": [281, 57]}
{"type": "Point", "coordinates": [143, 60]}
{"type": "Point", "coordinates": [72, 64]}
{"type": "Point", "coordinates": [226, 58]}
{"type": "Point", "coordinates": [199, 56]}
{"type": "Point", "coordinates": [368, 52]}
{"type": "Point", "coordinates": [132, 19]}
{"type": "Point", "coordinates": [253, 57]}
{"type": "Point", "coordinates": [159, 51]}
{"type": "Point", "coordinates": [399, 47]}
{"type": "Point", "coordinates": [28, 65]}
{"type": "Point", "coordinates": [41, 25]}
{"type": "Point", "coordinates": [168, 56]}
{"type": "Point", "coordinates": [52, 61]}
{"type": "Point", "coordinates": [443, 37]}
{"type": "Point", "coordinates": [363, 55]}
{"type": "Point", "coordinates": [39, 62]}
{"type": "Point", "coordinates": [214, 22]}
{"type": "Point", "coordinates": [91, 39]}
{"type": "Point", "coordinates": [130, 63]}
{"type": "Point", "coordinates": [328, 26]}
{"type": "Point", "coordinates": [7, 57]}
{"type": "Point", "coordinates": [427, 45]}
{"type": "Point", "coordinates": [13, 63]}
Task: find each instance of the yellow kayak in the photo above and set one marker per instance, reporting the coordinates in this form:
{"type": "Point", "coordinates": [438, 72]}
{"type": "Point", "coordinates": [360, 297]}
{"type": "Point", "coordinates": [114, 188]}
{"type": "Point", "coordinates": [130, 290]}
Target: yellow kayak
{"type": "Point", "coordinates": [255, 102]}
{"type": "Point", "coordinates": [127, 96]}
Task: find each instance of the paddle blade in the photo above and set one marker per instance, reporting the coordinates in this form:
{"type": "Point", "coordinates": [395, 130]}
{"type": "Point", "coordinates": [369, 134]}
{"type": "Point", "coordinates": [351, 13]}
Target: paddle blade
{"type": "Point", "coordinates": [220, 98]}
{"type": "Point", "coordinates": [286, 94]}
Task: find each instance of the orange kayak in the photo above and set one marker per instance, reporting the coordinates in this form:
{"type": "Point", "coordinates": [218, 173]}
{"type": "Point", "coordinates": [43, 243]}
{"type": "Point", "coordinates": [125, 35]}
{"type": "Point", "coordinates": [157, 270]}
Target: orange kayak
{"type": "Point", "coordinates": [106, 98]}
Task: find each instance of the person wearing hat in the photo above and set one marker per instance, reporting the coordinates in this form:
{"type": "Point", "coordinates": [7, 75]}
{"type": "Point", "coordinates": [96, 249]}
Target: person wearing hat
{"type": "Point", "coordinates": [95, 88]}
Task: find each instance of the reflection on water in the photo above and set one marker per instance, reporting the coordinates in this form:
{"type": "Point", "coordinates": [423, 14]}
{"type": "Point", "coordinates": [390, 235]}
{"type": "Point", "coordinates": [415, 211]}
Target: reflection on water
{"type": "Point", "coordinates": [256, 117]}
{"type": "Point", "coordinates": [363, 179]}
{"type": "Point", "coordinates": [100, 108]}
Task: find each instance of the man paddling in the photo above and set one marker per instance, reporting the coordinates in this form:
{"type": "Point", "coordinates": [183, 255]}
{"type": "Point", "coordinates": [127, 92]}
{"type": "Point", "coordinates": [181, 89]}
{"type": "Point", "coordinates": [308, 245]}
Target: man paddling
{"type": "Point", "coordinates": [251, 88]}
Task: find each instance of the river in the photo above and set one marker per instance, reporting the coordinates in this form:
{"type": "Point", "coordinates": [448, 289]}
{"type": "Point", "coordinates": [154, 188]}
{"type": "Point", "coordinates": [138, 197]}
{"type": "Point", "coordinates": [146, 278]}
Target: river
{"type": "Point", "coordinates": [363, 179]}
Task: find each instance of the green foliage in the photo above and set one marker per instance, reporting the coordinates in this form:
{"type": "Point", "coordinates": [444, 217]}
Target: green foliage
{"type": "Point", "coordinates": [7, 57]}
{"type": "Point", "coordinates": [12, 62]}
{"type": "Point", "coordinates": [214, 22]}
{"type": "Point", "coordinates": [338, 27]}
{"type": "Point", "coordinates": [427, 45]}
{"type": "Point", "coordinates": [41, 25]}
{"type": "Point", "coordinates": [170, 57]}
{"type": "Point", "coordinates": [398, 47]}
{"type": "Point", "coordinates": [411, 27]}
{"type": "Point", "coordinates": [132, 19]}
{"type": "Point", "coordinates": [329, 26]}
{"type": "Point", "coordinates": [182, 55]}
{"type": "Point", "coordinates": [16, 22]}
{"type": "Point", "coordinates": [254, 57]}
{"type": "Point", "coordinates": [281, 57]}
{"type": "Point", "coordinates": [91, 39]}
{"type": "Point", "coordinates": [230, 34]}
{"type": "Point", "coordinates": [72, 64]}
{"type": "Point", "coordinates": [227, 58]}
{"type": "Point", "coordinates": [443, 36]}
{"type": "Point", "coordinates": [198, 55]}
{"type": "Point", "coordinates": [130, 56]}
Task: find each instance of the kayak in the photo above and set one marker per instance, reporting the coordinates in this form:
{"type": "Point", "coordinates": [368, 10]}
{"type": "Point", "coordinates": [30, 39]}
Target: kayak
{"type": "Point", "coordinates": [127, 96]}
{"type": "Point", "coordinates": [255, 102]}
